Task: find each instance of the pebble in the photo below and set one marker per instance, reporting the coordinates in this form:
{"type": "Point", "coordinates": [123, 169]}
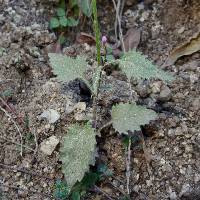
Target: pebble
{"type": "Point", "coordinates": [51, 115]}
{"type": "Point", "coordinates": [173, 196]}
{"type": "Point", "coordinates": [155, 87]}
{"type": "Point", "coordinates": [49, 145]}
{"type": "Point", "coordinates": [196, 104]}
{"type": "Point", "coordinates": [185, 189]}
{"type": "Point", "coordinates": [181, 30]}
{"type": "Point", "coordinates": [165, 93]}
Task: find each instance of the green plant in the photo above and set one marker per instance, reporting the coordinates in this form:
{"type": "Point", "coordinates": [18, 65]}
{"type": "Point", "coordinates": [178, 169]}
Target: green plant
{"type": "Point", "coordinates": [78, 150]}
{"type": "Point", "coordinates": [67, 14]}
{"type": "Point", "coordinates": [61, 190]}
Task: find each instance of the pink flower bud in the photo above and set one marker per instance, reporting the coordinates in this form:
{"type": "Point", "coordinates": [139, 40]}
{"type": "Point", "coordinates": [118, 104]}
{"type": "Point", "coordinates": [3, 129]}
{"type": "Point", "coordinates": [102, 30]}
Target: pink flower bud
{"type": "Point", "coordinates": [104, 40]}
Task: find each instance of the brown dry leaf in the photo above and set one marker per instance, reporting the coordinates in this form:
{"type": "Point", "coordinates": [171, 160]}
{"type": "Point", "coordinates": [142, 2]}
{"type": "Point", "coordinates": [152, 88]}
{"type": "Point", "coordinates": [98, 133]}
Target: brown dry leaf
{"type": "Point", "coordinates": [132, 39]}
{"type": "Point", "coordinates": [53, 48]}
{"type": "Point", "coordinates": [188, 48]}
{"type": "Point", "coordinates": [85, 38]}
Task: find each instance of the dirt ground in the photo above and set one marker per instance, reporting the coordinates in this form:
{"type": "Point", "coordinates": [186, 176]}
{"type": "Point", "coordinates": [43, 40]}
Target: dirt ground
{"type": "Point", "coordinates": [28, 88]}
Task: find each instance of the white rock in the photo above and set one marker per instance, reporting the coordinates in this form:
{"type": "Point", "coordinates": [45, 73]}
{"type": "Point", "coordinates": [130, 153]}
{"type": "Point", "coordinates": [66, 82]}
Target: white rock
{"type": "Point", "coordinates": [80, 106]}
{"type": "Point", "coordinates": [181, 30]}
{"type": "Point", "coordinates": [70, 107]}
{"type": "Point", "coordinates": [156, 87]}
{"type": "Point", "coordinates": [173, 196]}
{"type": "Point", "coordinates": [185, 189]}
{"type": "Point", "coordinates": [49, 145]}
{"type": "Point", "coordinates": [51, 115]}
{"type": "Point", "coordinates": [165, 93]}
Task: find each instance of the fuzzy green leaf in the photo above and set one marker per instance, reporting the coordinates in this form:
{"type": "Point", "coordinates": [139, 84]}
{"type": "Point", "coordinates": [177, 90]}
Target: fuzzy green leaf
{"type": "Point", "coordinates": [72, 22]}
{"type": "Point", "coordinates": [85, 7]}
{"type": "Point", "coordinates": [77, 152]}
{"type": "Point", "coordinates": [67, 68]}
{"type": "Point", "coordinates": [54, 23]}
{"type": "Point", "coordinates": [60, 12]}
{"type": "Point", "coordinates": [129, 117]}
{"type": "Point", "coordinates": [63, 21]}
{"type": "Point", "coordinates": [134, 64]}
{"type": "Point", "coordinates": [73, 3]}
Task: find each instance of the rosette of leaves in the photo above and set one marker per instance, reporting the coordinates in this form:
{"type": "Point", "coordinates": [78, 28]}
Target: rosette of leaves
{"type": "Point", "coordinates": [77, 152]}
{"type": "Point", "coordinates": [63, 20]}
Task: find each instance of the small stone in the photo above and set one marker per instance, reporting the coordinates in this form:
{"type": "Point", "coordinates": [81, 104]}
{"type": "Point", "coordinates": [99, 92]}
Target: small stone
{"type": "Point", "coordinates": [171, 133]}
{"type": "Point", "coordinates": [136, 188]}
{"type": "Point", "coordinates": [196, 104]}
{"type": "Point", "coordinates": [172, 196]}
{"type": "Point", "coordinates": [196, 178]}
{"type": "Point", "coordinates": [130, 2]}
{"type": "Point", "coordinates": [49, 145]}
{"type": "Point", "coordinates": [82, 116]}
{"type": "Point", "coordinates": [165, 94]}
{"type": "Point", "coordinates": [145, 16]}
{"type": "Point", "coordinates": [181, 30]}
{"type": "Point", "coordinates": [143, 89]}
{"type": "Point", "coordinates": [186, 188]}
{"type": "Point", "coordinates": [51, 115]}
{"type": "Point", "coordinates": [80, 106]}
{"type": "Point", "coordinates": [156, 87]}
{"type": "Point", "coordinates": [178, 131]}
{"type": "Point", "coordinates": [194, 78]}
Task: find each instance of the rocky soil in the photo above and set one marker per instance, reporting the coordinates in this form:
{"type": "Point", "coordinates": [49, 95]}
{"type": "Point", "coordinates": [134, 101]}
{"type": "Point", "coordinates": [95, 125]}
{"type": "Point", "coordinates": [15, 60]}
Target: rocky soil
{"type": "Point", "coordinates": [43, 108]}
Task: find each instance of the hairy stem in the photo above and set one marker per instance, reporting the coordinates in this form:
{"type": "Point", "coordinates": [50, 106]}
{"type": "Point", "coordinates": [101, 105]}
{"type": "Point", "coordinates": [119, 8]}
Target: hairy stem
{"type": "Point", "coordinates": [98, 48]}
{"type": "Point", "coordinates": [97, 31]}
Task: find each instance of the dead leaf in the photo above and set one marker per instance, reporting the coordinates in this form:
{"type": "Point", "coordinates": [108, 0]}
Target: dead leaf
{"type": "Point", "coordinates": [53, 48]}
{"type": "Point", "coordinates": [132, 39]}
{"type": "Point", "coordinates": [85, 38]}
{"type": "Point", "coordinates": [188, 48]}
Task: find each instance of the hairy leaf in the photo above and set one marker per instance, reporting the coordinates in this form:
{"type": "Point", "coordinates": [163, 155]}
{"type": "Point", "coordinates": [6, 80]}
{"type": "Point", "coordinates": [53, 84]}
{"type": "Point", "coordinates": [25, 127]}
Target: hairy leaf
{"type": "Point", "coordinates": [77, 152]}
{"type": "Point", "coordinates": [85, 7]}
{"type": "Point", "coordinates": [60, 12]}
{"type": "Point", "coordinates": [129, 117]}
{"type": "Point", "coordinates": [54, 23]}
{"type": "Point", "coordinates": [67, 68]}
{"type": "Point", "coordinates": [72, 21]}
{"type": "Point", "coordinates": [63, 21]}
{"type": "Point", "coordinates": [134, 64]}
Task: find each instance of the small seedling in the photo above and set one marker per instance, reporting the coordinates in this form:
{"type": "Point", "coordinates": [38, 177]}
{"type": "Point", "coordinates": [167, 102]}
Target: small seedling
{"type": "Point", "coordinates": [79, 147]}
{"type": "Point", "coordinates": [61, 191]}
{"type": "Point", "coordinates": [63, 19]}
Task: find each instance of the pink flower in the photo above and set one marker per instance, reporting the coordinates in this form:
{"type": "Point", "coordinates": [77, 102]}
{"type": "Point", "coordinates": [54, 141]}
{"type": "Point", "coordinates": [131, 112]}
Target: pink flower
{"type": "Point", "coordinates": [104, 40]}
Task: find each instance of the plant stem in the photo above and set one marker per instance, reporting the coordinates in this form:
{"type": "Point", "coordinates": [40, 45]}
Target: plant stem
{"type": "Point", "coordinates": [98, 48]}
{"type": "Point", "coordinates": [128, 163]}
{"type": "Point", "coordinates": [97, 31]}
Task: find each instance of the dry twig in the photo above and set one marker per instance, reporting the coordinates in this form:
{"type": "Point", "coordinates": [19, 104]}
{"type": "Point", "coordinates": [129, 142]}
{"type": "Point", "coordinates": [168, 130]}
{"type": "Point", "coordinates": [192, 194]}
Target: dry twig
{"type": "Point", "coordinates": [36, 142]}
{"type": "Point", "coordinates": [128, 163]}
{"type": "Point", "coordinates": [104, 193]}
{"type": "Point", "coordinates": [118, 21]}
